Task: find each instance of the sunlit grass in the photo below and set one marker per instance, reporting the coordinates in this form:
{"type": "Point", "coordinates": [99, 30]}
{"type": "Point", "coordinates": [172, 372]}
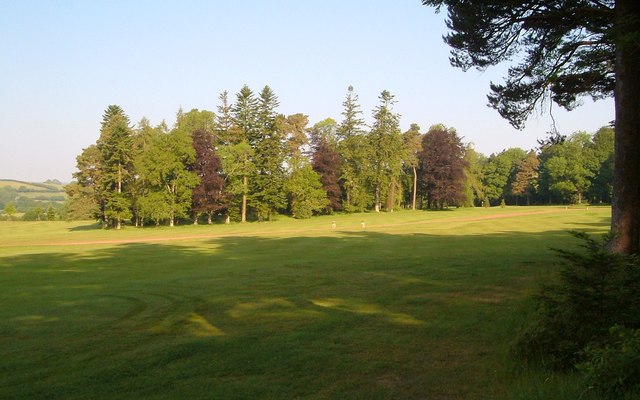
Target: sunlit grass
{"type": "Point", "coordinates": [413, 305]}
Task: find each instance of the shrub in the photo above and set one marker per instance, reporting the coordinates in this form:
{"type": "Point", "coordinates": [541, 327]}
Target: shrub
{"type": "Point", "coordinates": [613, 368]}
{"type": "Point", "coordinates": [597, 290]}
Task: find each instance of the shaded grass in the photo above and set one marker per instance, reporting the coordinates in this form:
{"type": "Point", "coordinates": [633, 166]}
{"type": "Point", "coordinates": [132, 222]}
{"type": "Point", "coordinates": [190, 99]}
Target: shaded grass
{"type": "Point", "coordinates": [417, 305]}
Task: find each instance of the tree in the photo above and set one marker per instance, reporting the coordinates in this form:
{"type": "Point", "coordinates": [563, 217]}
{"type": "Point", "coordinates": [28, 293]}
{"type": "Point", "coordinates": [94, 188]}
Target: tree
{"type": "Point", "coordinates": [267, 190]}
{"type": "Point", "coordinates": [525, 180]}
{"type": "Point", "coordinates": [566, 50]}
{"type": "Point", "coordinates": [326, 161]}
{"type": "Point", "coordinates": [208, 196]}
{"type": "Point", "coordinates": [307, 194]}
{"type": "Point", "coordinates": [244, 113]}
{"type": "Point", "coordinates": [355, 150]}
{"type": "Point", "coordinates": [412, 140]}
{"type": "Point", "coordinates": [81, 202]}
{"type": "Point", "coordinates": [116, 164]}
{"type": "Point", "coordinates": [10, 209]}
{"type": "Point", "coordinates": [498, 173]}
{"type": "Point", "coordinates": [474, 189]}
{"type": "Point", "coordinates": [163, 168]}
{"type": "Point", "coordinates": [564, 169]}
{"type": "Point", "coordinates": [90, 193]}
{"type": "Point", "coordinates": [441, 168]}
{"type": "Point", "coordinates": [601, 148]}
{"type": "Point", "coordinates": [386, 151]}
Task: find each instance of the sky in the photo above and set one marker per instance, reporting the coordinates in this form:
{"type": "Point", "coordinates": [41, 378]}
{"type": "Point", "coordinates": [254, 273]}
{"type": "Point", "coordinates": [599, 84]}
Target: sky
{"type": "Point", "coordinates": [63, 62]}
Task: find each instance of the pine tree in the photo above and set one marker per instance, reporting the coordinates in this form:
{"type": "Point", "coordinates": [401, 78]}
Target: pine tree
{"type": "Point", "coordinates": [354, 151]}
{"type": "Point", "coordinates": [387, 151]}
{"type": "Point", "coordinates": [116, 164]}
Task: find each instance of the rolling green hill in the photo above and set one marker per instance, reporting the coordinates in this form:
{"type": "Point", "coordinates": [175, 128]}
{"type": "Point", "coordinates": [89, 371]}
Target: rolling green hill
{"type": "Point", "coordinates": [26, 194]}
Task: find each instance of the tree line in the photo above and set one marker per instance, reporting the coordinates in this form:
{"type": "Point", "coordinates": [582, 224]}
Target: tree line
{"type": "Point", "coordinates": [248, 162]}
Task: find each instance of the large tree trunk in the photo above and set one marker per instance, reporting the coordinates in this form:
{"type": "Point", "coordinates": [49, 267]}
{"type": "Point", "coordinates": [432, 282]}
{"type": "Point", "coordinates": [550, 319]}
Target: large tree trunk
{"type": "Point", "coordinates": [625, 218]}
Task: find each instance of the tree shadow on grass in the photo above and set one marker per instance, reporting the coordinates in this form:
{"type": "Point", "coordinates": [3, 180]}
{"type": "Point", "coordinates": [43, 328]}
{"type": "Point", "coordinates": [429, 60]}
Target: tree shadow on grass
{"type": "Point", "coordinates": [269, 317]}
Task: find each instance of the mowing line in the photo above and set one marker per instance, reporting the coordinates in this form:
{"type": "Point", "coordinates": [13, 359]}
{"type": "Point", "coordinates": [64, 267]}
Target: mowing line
{"type": "Point", "coordinates": [280, 233]}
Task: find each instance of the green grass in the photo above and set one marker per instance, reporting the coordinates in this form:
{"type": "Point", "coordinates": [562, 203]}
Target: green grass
{"type": "Point", "coordinates": [415, 305]}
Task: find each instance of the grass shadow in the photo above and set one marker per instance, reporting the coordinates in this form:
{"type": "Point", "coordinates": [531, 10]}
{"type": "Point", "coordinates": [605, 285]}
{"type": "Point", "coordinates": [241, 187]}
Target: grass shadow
{"type": "Point", "coordinates": [420, 315]}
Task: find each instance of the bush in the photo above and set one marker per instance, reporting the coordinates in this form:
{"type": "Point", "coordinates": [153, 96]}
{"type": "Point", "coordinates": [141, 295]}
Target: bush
{"type": "Point", "coordinates": [597, 290]}
{"type": "Point", "coordinates": [613, 369]}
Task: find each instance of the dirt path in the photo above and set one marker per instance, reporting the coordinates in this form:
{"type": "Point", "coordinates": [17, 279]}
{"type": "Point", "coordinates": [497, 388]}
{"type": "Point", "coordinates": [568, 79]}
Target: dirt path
{"type": "Point", "coordinates": [152, 239]}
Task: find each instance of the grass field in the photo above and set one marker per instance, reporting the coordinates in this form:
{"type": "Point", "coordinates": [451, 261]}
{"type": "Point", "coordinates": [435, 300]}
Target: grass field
{"type": "Point", "coordinates": [415, 305]}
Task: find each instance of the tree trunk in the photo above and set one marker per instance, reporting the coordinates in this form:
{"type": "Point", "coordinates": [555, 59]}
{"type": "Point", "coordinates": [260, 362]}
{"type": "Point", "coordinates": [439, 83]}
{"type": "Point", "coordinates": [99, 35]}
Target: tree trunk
{"type": "Point", "coordinates": [377, 206]}
{"type": "Point", "coordinates": [245, 189]}
{"type": "Point", "coordinates": [209, 222]}
{"type": "Point", "coordinates": [392, 196]}
{"type": "Point", "coordinates": [625, 207]}
{"type": "Point", "coordinates": [415, 188]}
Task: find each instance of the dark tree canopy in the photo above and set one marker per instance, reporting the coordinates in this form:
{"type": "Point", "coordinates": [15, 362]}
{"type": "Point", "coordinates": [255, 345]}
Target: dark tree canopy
{"type": "Point", "coordinates": [441, 167]}
{"type": "Point", "coordinates": [563, 50]}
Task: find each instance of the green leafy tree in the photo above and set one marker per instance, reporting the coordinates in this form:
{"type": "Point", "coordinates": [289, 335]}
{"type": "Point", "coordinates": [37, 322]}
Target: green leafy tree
{"type": "Point", "coordinates": [601, 188]}
{"type": "Point", "coordinates": [412, 140]}
{"type": "Point", "coordinates": [525, 181]}
{"type": "Point", "coordinates": [80, 204]}
{"type": "Point", "coordinates": [164, 169]}
{"type": "Point", "coordinates": [474, 189]}
{"type": "Point", "coordinates": [10, 210]}
{"type": "Point", "coordinates": [565, 50]}
{"type": "Point", "coordinates": [498, 173]}
{"type": "Point", "coordinates": [564, 172]}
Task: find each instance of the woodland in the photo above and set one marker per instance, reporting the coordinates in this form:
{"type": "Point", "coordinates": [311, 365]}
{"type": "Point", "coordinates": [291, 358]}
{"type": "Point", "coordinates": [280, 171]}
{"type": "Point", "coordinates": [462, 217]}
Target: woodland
{"type": "Point", "coordinates": [248, 162]}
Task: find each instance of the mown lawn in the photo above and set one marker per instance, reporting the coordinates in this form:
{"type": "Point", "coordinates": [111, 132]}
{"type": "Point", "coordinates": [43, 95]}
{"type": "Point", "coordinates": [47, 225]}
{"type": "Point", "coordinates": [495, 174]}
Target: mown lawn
{"type": "Point", "coordinates": [415, 305]}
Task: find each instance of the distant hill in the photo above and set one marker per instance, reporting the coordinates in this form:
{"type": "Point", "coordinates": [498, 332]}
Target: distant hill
{"type": "Point", "coordinates": [49, 191]}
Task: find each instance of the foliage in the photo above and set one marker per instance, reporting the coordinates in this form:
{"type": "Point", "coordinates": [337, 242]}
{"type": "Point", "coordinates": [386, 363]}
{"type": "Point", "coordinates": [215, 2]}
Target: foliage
{"type": "Point", "coordinates": [525, 180]}
{"type": "Point", "coordinates": [498, 173]}
{"type": "Point", "coordinates": [562, 47]}
{"type": "Point", "coordinates": [442, 166]}
{"type": "Point", "coordinates": [325, 160]}
{"type": "Point", "coordinates": [387, 151]}
{"type": "Point", "coordinates": [355, 150]}
{"type": "Point", "coordinates": [613, 367]}
{"type": "Point", "coordinates": [597, 290]}
{"type": "Point", "coordinates": [307, 194]}
{"type": "Point", "coordinates": [209, 195]}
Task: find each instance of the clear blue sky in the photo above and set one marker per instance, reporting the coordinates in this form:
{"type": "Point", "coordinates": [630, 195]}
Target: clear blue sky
{"type": "Point", "coordinates": [64, 62]}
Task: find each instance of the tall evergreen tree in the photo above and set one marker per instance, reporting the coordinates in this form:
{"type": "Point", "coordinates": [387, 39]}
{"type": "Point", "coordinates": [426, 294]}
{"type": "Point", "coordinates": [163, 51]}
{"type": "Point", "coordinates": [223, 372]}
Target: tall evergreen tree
{"type": "Point", "coordinates": [386, 151]}
{"type": "Point", "coordinates": [354, 151]}
{"type": "Point", "coordinates": [116, 162]}
{"type": "Point", "coordinates": [267, 190]}
{"type": "Point", "coordinates": [245, 118]}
